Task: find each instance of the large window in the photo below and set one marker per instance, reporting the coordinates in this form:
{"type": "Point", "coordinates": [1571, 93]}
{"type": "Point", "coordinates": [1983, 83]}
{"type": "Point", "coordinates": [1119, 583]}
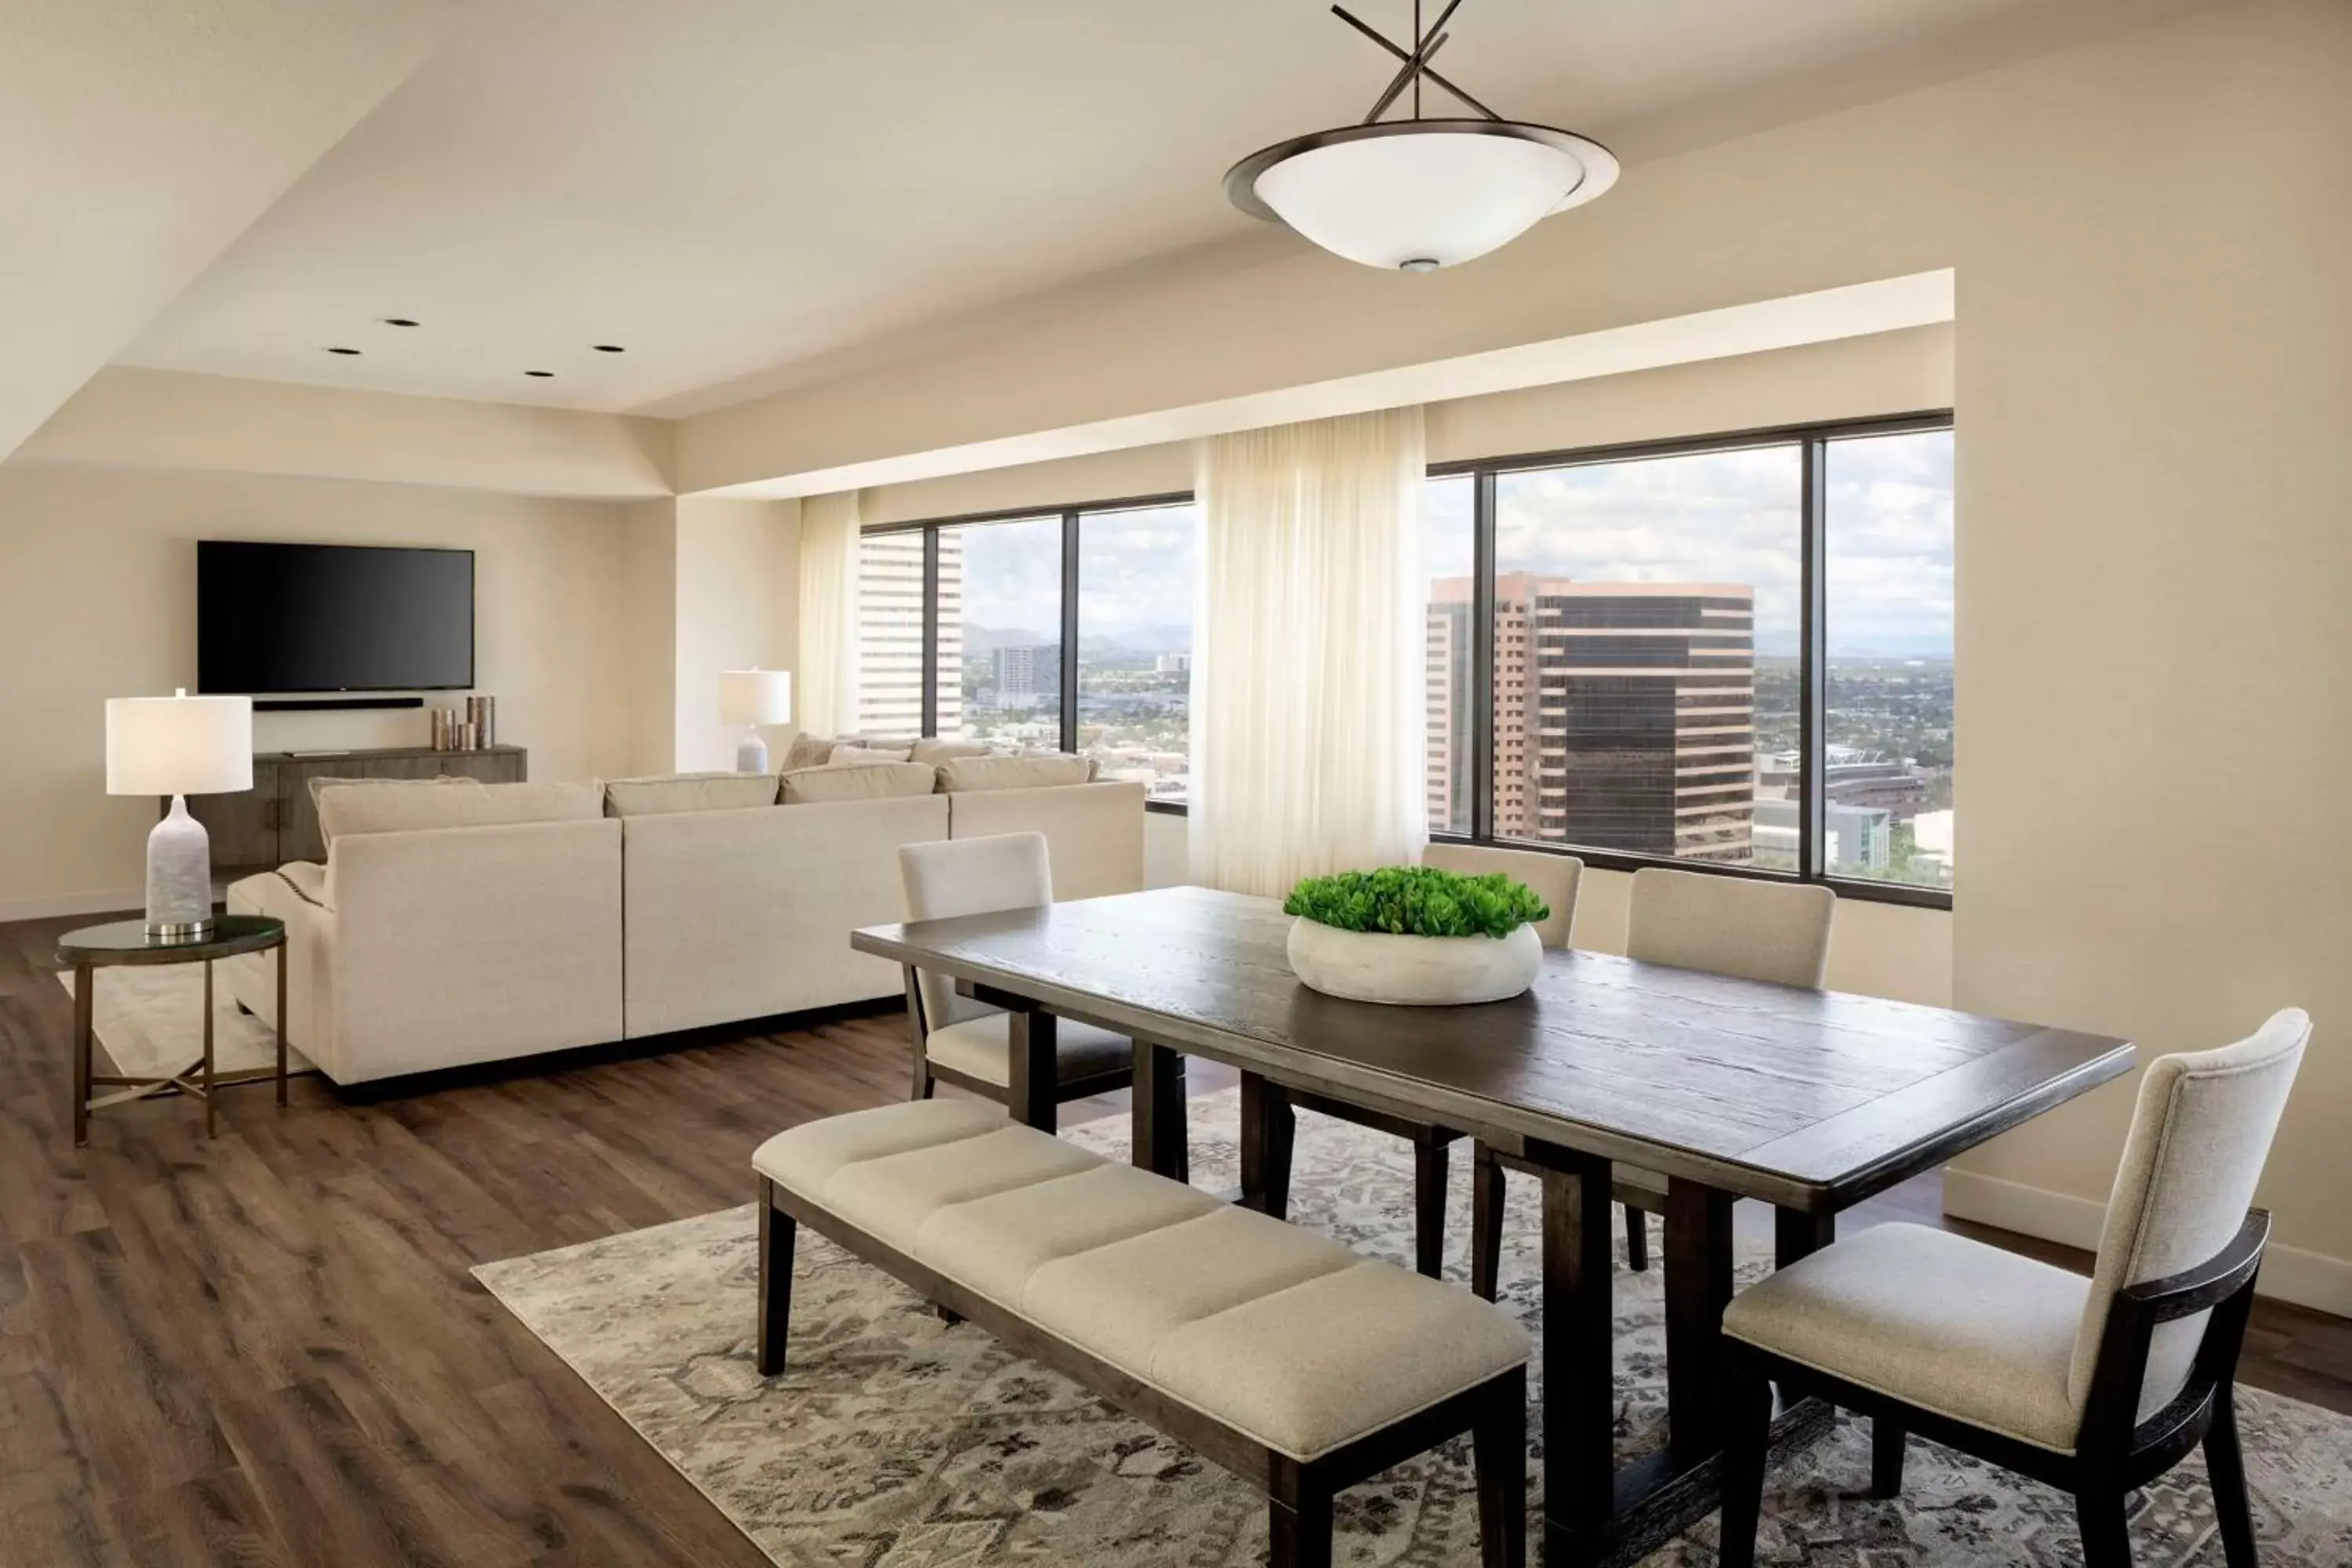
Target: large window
{"type": "Point", "coordinates": [1733, 654]}
{"type": "Point", "coordinates": [1137, 568]}
{"type": "Point", "coordinates": [1000, 620]}
{"type": "Point", "coordinates": [890, 633]}
{"type": "Point", "coordinates": [1633, 604]}
{"type": "Point", "coordinates": [1886, 777]}
{"type": "Point", "coordinates": [1621, 645]}
{"type": "Point", "coordinates": [1069, 630]}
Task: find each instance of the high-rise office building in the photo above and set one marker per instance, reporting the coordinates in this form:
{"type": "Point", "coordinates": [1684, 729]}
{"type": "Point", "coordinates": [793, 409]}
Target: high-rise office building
{"type": "Point", "coordinates": [1624, 714]}
{"type": "Point", "coordinates": [890, 633]}
{"type": "Point", "coordinates": [1029, 675]}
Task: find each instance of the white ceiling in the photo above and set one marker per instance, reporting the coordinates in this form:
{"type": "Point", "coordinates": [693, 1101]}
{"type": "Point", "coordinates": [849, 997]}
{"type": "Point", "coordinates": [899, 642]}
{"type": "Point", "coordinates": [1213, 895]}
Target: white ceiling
{"type": "Point", "coordinates": [743, 192]}
{"type": "Point", "coordinates": [138, 140]}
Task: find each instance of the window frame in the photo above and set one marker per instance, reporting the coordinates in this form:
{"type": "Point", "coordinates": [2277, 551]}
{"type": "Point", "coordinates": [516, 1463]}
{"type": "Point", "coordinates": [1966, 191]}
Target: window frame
{"type": "Point", "coordinates": [1070, 517]}
{"type": "Point", "coordinates": [1812, 438]}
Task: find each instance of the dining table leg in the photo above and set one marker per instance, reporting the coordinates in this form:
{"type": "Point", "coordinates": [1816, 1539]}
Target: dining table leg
{"type": "Point", "coordinates": [1034, 1067]}
{"type": "Point", "coordinates": [1157, 1102]}
{"type": "Point", "coordinates": [1698, 1288]}
{"type": "Point", "coordinates": [1269, 1127]}
{"type": "Point", "coordinates": [1578, 1356]}
{"type": "Point", "coordinates": [1797, 1234]}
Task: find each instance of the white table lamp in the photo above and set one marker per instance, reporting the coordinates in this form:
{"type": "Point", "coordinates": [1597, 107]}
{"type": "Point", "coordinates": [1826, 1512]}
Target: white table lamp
{"type": "Point", "coordinates": [752, 697]}
{"type": "Point", "coordinates": [179, 746]}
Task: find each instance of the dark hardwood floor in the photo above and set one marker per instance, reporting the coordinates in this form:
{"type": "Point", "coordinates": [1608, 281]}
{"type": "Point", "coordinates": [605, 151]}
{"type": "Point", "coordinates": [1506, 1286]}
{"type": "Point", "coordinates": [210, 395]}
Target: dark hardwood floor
{"type": "Point", "coordinates": [266, 1349]}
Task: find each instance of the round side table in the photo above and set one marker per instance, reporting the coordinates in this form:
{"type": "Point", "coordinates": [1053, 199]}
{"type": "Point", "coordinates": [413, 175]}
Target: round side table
{"type": "Point", "coordinates": [126, 942]}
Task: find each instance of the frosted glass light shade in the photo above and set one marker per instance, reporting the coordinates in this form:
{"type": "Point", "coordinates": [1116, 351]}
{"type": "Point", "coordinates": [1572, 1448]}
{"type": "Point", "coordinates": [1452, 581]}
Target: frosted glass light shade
{"type": "Point", "coordinates": [1417, 195]}
{"type": "Point", "coordinates": [755, 696]}
{"type": "Point", "coordinates": [178, 745]}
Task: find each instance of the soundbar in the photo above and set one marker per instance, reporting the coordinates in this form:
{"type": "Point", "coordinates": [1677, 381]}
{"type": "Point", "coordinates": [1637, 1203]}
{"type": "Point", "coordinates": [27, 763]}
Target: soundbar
{"type": "Point", "coordinates": [319, 704]}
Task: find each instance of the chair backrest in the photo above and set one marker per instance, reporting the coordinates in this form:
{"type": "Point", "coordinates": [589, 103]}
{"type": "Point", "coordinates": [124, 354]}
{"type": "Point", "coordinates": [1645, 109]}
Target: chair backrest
{"type": "Point", "coordinates": [1774, 931]}
{"type": "Point", "coordinates": [2199, 1137]}
{"type": "Point", "coordinates": [969, 877]}
{"type": "Point", "coordinates": [1552, 877]}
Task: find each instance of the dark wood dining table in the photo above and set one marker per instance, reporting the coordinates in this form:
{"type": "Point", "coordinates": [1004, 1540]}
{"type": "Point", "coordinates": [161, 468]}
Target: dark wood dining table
{"type": "Point", "coordinates": [1807, 1100]}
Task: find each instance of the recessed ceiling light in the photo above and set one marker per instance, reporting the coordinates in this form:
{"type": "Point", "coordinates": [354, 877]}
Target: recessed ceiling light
{"type": "Point", "coordinates": [399, 322]}
{"type": "Point", "coordinates": [338, 350]}
{"type": "Point", "coordinates": [608, 348]}
{"type": "Point", "coordinates": [541, 372]}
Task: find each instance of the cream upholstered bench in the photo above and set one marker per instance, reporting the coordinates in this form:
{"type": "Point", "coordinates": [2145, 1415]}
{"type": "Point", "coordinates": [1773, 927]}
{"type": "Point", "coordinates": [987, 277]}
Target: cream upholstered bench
{"type": "Point", "coordinates": [1292, 1361]}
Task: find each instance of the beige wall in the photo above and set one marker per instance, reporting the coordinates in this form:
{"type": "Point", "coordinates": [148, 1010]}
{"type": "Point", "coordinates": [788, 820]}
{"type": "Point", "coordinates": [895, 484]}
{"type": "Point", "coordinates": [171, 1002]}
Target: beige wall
{"type": "Point", "coordinates": [2149, 359]}
{"type": "Point", "coordinates": [1890, 372]}
{"type": "Point", "coordinates": [650, 584]}
{"type": "Point", "coordinates": [737, 565]}
{"type": "Point", "coordinates": [98, 600]}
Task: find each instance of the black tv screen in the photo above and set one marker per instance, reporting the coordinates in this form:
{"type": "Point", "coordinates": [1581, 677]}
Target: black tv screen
{"type": "Point", "coordinates": [333, 617]}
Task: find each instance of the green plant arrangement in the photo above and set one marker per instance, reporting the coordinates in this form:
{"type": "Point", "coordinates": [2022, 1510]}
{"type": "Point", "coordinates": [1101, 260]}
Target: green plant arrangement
{"type": "Point", "coordinates": [1416, 900]}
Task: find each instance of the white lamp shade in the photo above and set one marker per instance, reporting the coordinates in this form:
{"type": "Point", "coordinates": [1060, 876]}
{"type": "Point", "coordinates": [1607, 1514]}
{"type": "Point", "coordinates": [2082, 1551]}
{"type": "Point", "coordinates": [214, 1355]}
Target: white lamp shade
{"type": "Point", "coordinates": [1430, 196]}
{"type": "Point", "coordinates": [178, 745]}
{"type": "Point", "coordinates": [755, 696]}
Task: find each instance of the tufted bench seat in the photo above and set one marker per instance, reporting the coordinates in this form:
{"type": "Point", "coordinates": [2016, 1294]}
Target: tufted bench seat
{"type": "Point", "coordinates": [1280, 1354]}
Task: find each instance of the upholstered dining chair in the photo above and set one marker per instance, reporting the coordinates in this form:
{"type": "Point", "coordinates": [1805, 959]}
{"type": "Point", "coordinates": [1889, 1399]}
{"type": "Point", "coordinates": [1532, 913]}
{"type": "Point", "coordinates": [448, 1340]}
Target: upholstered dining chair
{"type": "Point", "coordinates": [1774, 931]}
{"type": "Point", "coordinates": [967, 1043]}
{"type": "Point", "coordinates": [1553, 879]}
{"type": "Point", "coordinates": [2095, 1386]}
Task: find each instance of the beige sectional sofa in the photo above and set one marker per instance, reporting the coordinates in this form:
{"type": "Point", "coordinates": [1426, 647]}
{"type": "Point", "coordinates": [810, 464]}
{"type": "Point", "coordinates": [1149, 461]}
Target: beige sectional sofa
{"type": "Point", "coordinates": [591, 913]}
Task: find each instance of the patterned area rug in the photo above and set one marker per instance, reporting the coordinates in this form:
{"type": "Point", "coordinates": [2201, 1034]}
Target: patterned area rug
{"type": "Point", "coordinates": [151, 1023]}
{"type": "Point", "coordinates": [895, 1441]}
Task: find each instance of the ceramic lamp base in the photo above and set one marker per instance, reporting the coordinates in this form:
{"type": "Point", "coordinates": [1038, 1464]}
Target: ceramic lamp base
{"type": "Point", "coordinates": [179, 877]}
{"type": "Point", "coordinates": [751, 754]}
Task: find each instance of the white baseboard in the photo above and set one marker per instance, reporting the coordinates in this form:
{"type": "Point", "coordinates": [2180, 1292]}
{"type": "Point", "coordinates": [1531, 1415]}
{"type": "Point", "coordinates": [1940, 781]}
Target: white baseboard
{"type": "Point", "coordinates": [56, 904]}
{"type": "Point", "coordinates": [2289, 1273]}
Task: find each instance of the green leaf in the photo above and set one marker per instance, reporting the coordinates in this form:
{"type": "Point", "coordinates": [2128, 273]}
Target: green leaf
{"type": "Point", "coordinates": [1416, 900]}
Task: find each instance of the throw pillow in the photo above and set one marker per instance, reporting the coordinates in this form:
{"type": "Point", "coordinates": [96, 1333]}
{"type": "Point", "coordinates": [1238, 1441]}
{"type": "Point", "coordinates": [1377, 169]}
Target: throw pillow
{"type": "Point", "coordinates": [850, 756]}
{"type": "Point", "coordinates": [1040, 771]}
{"type": "Point", "coordinates": [855, 780]}
{"type": "Point", "coordinates": [687, 791]}
{"type": "Point", "coordinates": [807, 751]}
{"type": "Point", "coordinates": [403, 805]}
{"type": "Point", "coordinates": [932, 750]}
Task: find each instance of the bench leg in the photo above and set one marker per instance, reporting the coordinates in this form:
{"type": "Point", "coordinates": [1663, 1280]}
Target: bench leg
{"type": "Point", "coordinates": [1637, 1240]}
{"type": "Point", "coordinates": [1298, 1519]}
{"type": "Point", "coordinates": [1886, 1442]}
{"type": "Point", "coordinates": [1485, 1222]}
{"type": "Point", "coordinates": [778, 1231]}
{"type": "Point", "coordinates": [1500, 1443]}
{"type": "Point", "coordinates": [1429, 1208]}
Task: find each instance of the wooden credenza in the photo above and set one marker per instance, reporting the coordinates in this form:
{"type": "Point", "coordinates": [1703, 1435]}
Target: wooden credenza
{"type": "Point", "coordinates": [262, 828]}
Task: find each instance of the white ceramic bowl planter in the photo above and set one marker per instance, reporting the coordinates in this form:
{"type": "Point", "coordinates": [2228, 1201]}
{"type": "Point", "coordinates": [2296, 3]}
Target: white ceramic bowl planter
{"type": "Point", "coordinates": [1413, 971]}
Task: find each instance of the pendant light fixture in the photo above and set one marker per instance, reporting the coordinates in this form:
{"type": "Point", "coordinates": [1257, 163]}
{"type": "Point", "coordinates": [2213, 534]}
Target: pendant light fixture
{"type": "Point", "coordinates": [1418, 195]}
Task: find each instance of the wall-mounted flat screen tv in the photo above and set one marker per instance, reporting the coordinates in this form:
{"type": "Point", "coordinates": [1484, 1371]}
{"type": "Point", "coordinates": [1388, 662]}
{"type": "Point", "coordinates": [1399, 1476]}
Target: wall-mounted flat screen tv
{"type": "Point", "coordinates": [333, 617]}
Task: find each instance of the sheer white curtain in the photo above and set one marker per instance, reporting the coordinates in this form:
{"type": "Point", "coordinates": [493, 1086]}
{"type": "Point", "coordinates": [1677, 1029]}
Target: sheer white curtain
{"type": "Point", "coordinates": [828, 612]}
{"type": "Point", "coordinates": [1307, 652]}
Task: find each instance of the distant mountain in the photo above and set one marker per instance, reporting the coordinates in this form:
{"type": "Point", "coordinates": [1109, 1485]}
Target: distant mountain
{"type": "Point", "coordinates": [988, 639]}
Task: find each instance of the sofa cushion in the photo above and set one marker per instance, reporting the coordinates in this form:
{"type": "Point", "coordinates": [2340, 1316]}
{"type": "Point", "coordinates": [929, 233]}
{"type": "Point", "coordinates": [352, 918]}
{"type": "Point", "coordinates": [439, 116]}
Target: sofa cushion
{"type": "Point", "coordinates": [687, 791]}
{"type": "Point", "coordinates": [1034, 771]}
{"type": "Point", "coordinates": [855, 780]}
{"type": "Point", "coordinates": [403, 805]}
{"type": "Point", "coordinates": [847, 754]}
